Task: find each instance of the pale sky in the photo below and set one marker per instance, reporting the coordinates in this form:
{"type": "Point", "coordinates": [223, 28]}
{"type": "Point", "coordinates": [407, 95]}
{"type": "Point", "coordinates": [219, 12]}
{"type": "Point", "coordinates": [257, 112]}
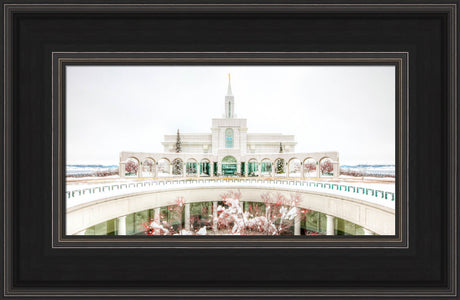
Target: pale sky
{"type": "Point", "coordinates": [350, 109]}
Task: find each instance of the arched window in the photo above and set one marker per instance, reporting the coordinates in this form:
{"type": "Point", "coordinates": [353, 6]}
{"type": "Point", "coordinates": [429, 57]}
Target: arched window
{"type": "Point", "coordinates": [229, 138]}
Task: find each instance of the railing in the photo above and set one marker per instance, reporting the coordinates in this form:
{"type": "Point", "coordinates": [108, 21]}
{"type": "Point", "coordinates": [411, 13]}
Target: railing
{"type": "Point", "coordinates": [327, 186]}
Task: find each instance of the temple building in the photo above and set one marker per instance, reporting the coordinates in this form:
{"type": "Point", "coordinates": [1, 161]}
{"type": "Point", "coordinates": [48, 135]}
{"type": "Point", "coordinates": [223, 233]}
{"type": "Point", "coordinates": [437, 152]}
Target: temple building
{"type": "Point", "coordinates": [228, 150]}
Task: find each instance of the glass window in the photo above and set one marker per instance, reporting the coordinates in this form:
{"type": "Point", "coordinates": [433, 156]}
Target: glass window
{"type": "Point", "coordinates": [229, 138]}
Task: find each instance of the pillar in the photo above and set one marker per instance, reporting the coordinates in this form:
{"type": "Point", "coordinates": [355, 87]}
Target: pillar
{"type": "Point", "coordinates": [121, 225]}
{"type": "Point", "coordinates": [273, 169]}
{"type": "Point", "coordinates": [122, 169]}
{"type": "Point", "coordinates": [214, 216]}
{"type": "Point", "coordinates": [170, 169]}
{"type": "Point", "coordinates": [318, 167]}
{"type": "Point", "coordinates": [198, 169]}
{"type": "Point", "coordinates": [211, 169]}
{"type": "Point", "coordinates": [187, 216]}
{"type": "Point", "coordinates": [259, 169]}
{"type": "Point", "coordinates": [297, 222]}
{"type": "Point", "coordinates": [330, 225]}
{"type": "Point", "coordinates": [184, 170]}
{"type": "Point", "coordinates": [155, 170]}
{"type": "Point", "coordinates": [219, 168]}
{"type": "Point", "coordinates": [302, 173]}
{"type": "Point", "coordinates": [335, 169]}
{"type": "Point", "coordinates": [238, 167]}
{"type": "Point", "coordinates": [139, 170]}
{"type": "Point", "coordinates": [367, 232]}
{"type": "Point", "coordinates": [157, 219]}
{"type": "Point", "coordinates": [246, 169]}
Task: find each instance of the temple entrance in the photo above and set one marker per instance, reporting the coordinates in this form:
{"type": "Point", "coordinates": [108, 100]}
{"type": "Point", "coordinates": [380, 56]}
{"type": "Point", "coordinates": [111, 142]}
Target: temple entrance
{"type": "Point", "coordinates": [229, 165]}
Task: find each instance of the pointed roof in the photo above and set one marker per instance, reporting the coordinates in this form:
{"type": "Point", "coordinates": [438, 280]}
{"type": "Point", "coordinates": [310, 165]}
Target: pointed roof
{"type": "Point", "coordinates": [229, 89]}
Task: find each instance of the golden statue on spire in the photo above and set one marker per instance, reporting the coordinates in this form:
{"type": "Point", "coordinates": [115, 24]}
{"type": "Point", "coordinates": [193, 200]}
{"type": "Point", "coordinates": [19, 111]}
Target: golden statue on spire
{"type": "Point", "coordinates": [228, 76]}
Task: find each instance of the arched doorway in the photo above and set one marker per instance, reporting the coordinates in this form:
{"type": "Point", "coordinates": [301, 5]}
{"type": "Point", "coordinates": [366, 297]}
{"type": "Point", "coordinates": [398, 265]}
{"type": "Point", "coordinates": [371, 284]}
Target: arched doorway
{"type": "Point", "coordinates": [229, 165]}
{"type": "Point", "coordinates": [309, 167]}
{"type": "Point", "coordinates": [326, 167]}
{"type": "Point", "coordinates": [164, 168]}
{"type": "Point", "coordinates": [148, 168]}
{"type": "Point", "coordinates": [205, 167]}
{"type": "Point", "coordinates": [132, 167]}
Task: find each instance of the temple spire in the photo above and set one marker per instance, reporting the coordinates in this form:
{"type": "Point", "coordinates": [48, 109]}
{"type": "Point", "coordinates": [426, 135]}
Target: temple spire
{"type": "Point", "coordinates": [229, 101]}
{"type": "Point", "coordinates": [229, 89]}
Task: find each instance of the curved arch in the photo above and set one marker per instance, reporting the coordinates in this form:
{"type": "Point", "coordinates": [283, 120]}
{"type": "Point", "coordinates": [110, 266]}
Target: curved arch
{"type": "Point", "coordinates": [133, 158]}
{"type": "Point", "coordinates": [326, 167]}
{"type": "Point", "coordinates": [229, 159]}
{"type": "Point", "coordinates": [164, 167]}
{"type": "Point", "coordinates": [192, 167]}
{"type": "Point", "coordinates": [280, 166]}
{"type": "Point", "coordinates": [177, 166]}
{"type": "Point", "coordinates": [165, 158]}
{"type": "Point", "coordinates": [309, 167]}
{"type": "Point", "coordinates": [253, 167]}
{"type": "Point", "coordinates": [266, 167]}
{"type": "Point", "coordinates": [148, 167]}
{"type": "Point", "coordinates": [294, 167]}
{"type": "Point", "coordinates": [205, 167]}
{"type": "Point", "coordinates": [132, 166]}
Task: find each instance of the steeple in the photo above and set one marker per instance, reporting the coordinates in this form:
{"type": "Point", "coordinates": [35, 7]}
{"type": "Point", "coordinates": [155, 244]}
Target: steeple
{"type": "Point", "coordinates": [229, 101]}
{"type": "Point", "coordinates": [229, 89]}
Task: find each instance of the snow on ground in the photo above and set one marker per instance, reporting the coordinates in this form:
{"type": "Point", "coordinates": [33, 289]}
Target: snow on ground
{"type": "Point", "coordinates": [386, 185]}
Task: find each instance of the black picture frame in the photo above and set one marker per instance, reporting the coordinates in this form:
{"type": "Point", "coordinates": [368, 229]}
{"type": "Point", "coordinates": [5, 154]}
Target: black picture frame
{"type": "Point", "coordinates": [34, 30]}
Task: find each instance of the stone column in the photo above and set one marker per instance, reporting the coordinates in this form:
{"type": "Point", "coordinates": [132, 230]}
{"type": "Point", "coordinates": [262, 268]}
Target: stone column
{"type": "Point", "coordinates": [297, 222]}
{"type": "Point", "coordinates": [238, 167]}
{"type": "Point", "coordinates": [335, 169]}
{"type": "Point", "coordinates": [246, 168]}
{"type": "Point", "coordinates": [273, 169]}
{"type": "Point", "coordinates": [170, 169]}
{"type": "Point", "coordinates": [187, 216]}
{"type": "Point", "coordinates": [367, 232]}
{"type": "Point", "coordinates": [184, 170]}
{"type": "Point", "coordinates": [198, 169]}
{"type": "Point", "coordinates": [121, 225]}
{"type": "Point", "coordinates": [330, 225]}
{"type": "Point", "coordinates": [211, 168]}
{"type": "Point", "coordinates": [122, 169]}
{"type": "Point", "coordinates": [157, 219]}
{"type": "Point", "coordinates": [259, 169]}
{"type": "Point", "coordinates": [219, 168]}
{"type": "Point", "coordinates": [139, 170]}
{"type": "Point", "coordinates": [214, 216]}
{"type": "Point", "coordinates": [318, 167]}
{"type": "Point", "coordinates": [155, 170]}
{"type": "Point", "coordinates": [302, 173]}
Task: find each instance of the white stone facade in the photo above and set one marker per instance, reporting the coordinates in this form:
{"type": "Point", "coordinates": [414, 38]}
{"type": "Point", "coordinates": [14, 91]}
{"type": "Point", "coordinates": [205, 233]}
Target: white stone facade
{"type": "Point", "coordinates": [230, 150]}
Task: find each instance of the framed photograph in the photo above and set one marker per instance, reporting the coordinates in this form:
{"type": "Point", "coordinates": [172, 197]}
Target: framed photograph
{"type": "Point", "coordinates": [230, 149]}
{"type": "Point", "coordinates": [230, 181]}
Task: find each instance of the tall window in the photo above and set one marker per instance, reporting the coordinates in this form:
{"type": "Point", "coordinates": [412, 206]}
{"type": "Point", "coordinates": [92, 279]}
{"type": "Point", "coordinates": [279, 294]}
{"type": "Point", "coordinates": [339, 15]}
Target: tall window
{"type": "Point", "coordinates": [229, 138]}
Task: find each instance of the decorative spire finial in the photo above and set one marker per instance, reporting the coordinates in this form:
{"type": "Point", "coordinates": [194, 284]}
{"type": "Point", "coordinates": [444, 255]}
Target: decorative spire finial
{"type": "Point", "coordinates": [229, 90]}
